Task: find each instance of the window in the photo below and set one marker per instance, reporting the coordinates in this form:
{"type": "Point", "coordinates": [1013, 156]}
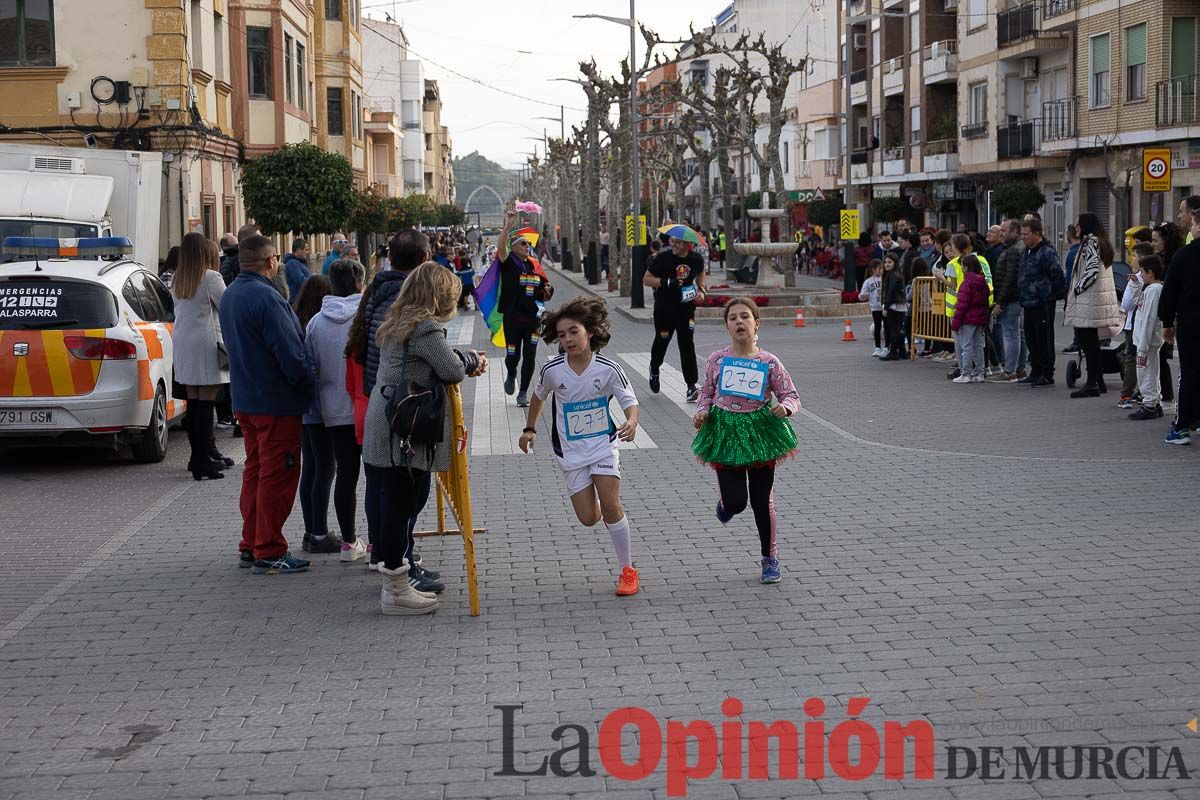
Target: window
{"type": "Point", "coordinates": [289, 90]}
{"type": "Point", "coordinates": [915, 124]}
{"type": "Point", "coordinates": [875, 131]}
{"type": "Point", "coordinates": [258, 58]}
{"type": "Point", "coordinates": [227, 219]}
{"type": "Point", "coordinates": [194, 33]}
{"type": "Point", "coordinates": [355, 115]}
{"type": "Point", "coordinates": [26, 33]}
{"type": "Point", "coordinates": [1135, 63]}
{"type": "Point", "coordinates": [219, 48]}
{"type": "Point", "coordinates": [977, 14]}
{"type": "Point", "coordinates": [786, 166]}
{"type": "Point", "coordinates": [207, 219]}
{"type": "Point", "coordinates": [1099, 90]}
{"type": "Point", "coordinates": [429, 141]}
{"type": "Point", "coordinates": [333, 9]}
{"type": "Point", "coordinates": [301, 94]}
{"type": "Point", "coordinates": [1183, 47]}
{"type": "Point", "coordinates": [334, 111]}
{"type": "Point", "coordinates": [979, 104]}
{"type": "Point", "coordinates": [914, 32]}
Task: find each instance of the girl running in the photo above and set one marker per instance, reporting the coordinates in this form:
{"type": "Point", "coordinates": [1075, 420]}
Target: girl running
{"type": "Point", "coordinates": [580, 382]}
{"type": "Point", "coordinates": [742, 434]}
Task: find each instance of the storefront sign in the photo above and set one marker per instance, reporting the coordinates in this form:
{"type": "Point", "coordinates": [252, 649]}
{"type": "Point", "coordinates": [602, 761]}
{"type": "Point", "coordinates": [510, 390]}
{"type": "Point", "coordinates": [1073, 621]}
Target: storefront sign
{"type": "Point", "coordinates": [806, 196]}
{"type": "Point", "coordinates": [954, 190]}
{"type": "Point", "coordinates": [886, 190]}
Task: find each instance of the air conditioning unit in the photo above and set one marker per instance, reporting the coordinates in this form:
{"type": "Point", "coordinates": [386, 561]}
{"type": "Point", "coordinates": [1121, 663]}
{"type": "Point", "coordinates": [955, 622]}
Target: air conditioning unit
{"type": "Point", "coordinates": [1029, 69]}
{"type": "Point", "coordinates": [860, 41]}
{"type": "Point", "coordinates": [72, 166]}
{"type": "Point", "coordinates": [951, 5]}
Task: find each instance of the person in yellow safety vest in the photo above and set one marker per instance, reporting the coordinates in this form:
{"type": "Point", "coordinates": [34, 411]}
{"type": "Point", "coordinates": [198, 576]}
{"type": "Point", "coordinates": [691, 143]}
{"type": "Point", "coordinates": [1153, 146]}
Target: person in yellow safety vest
{"type": "Point", "coordinates": [722, 244]}
{"type": "Point", "coordinates": [959, 246]}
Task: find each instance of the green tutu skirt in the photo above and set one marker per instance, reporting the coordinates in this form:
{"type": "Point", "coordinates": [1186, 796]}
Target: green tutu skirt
{"type": "Point", "coordinates": [756, 438]}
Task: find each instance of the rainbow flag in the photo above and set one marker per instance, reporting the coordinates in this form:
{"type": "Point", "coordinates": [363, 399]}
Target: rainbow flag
{"type": "Point", "coordinates": [487, 300]}
{"type": "Point", "coordinates": [487, 297]}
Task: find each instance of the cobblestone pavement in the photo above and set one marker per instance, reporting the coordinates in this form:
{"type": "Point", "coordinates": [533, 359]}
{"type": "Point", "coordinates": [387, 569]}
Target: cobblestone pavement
{"type": "Point", "coordinates": [1013, 566]}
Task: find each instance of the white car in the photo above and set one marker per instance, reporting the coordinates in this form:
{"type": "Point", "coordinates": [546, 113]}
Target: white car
{"type": "Point", "coordinates": [85, 348]}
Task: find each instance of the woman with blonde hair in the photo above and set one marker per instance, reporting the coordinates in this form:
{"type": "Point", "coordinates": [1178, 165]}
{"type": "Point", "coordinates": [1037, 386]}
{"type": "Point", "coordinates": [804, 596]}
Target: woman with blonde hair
{"type": "Point", "coordinates": [414, 357]}
{"type": "Point", "coordinates": [199, 351]}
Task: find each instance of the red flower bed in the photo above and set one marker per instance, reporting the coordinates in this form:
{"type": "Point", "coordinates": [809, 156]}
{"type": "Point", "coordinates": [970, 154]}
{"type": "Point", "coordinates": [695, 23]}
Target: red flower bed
{"type": "Point", "coordinates": [850, 297]}
{"type": "Point", "coordinates": [718, 300]}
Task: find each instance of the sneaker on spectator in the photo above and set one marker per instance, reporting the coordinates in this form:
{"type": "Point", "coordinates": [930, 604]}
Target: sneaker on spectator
{"type": "Point", "coordinates": [977, 379]}
{"type": "Point", "coordinates": [324, 545]}
{"type": "Point", "coordinates": [992, 372]}
{"type": "Point", "coordinates": [285, 564]}
{"type": "Point", "coordinates": [1176, 436]}
{"type": "Point", "coordinates": [961, 379]}
{"type": "Point", "coordinates": [420, 580]}
{"type": "Point", "coordinates": [1126, 401]}
{"type": "Point", "coordinates": [1147, 413]}
{"type": "Point", "coordinates": [353, 551]}
{"type": "Point", "coordinates": [245, 559]}
{"type": "Point", "coordinates": [953, 374]}
{"type": "Point", "coordinates": [1000, 377]}
{"type": "Point", "coordinates": [878, 352]}
{"type": "Point", "coordinates": [1018, 376]}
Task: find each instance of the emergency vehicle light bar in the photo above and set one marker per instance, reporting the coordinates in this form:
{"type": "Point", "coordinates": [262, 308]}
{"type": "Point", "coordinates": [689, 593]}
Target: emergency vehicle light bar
{"type": "Point", "coordinates": [46, 247]}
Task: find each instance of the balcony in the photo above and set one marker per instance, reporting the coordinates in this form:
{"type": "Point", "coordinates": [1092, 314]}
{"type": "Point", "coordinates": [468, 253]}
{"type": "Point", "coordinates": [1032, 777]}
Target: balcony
{"type": "Point", "coordinates": [941, 62]}
{"type": "Point", "coordinates": [1054, 12]}
{"type": "Point", "coordinates": [894, 162]}
{"type": "Point", "coordinates": [941, 156]}
{"type": "Point", "coordinates": [976, 130]}
{"type": "Point", "coordinates": [1021, 26]}
{"type": "Point", "coordinates": [858, 86]}
{"type": "Point", "coordinates": [1177, 102]}
{"type": "Point", "coordinates": [1016, 139]}
{"type": "Point", "coordinates": [859, 8]}
{"type": "Point", "coordinates": [893, 77]}
{"type": "Point", "coordinates": [1058, 119]}
{"type": "Point", "coordinates": [860, 156]}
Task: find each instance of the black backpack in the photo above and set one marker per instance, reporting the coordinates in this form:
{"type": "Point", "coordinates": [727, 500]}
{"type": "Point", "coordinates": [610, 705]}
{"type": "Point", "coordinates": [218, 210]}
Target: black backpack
{"type": "Point", "coordinates": [415, 413]}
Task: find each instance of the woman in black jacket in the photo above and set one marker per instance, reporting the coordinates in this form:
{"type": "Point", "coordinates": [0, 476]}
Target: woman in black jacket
{"type": "Point", "coordinates": [895, 305]}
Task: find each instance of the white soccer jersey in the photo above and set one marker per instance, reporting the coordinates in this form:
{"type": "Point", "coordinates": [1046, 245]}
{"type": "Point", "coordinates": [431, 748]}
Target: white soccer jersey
{"type": "Point", "coordinates": [583, 430]}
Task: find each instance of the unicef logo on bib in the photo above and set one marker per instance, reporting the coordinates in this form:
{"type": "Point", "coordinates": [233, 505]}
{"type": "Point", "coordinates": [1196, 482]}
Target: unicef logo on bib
{"type": "Point", "coordinates": [688, 293]}
{"type": "Point", "coordinates": [587, 419]}
{"type": "Point", "coordinates": [744, 377]}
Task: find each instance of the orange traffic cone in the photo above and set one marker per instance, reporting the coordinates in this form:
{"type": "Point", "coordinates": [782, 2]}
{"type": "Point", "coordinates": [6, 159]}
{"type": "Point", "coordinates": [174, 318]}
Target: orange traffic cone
{"type": "Point", "coordinates": [799, 317]}
{"type": "Point", "coordinates": [848, 334]}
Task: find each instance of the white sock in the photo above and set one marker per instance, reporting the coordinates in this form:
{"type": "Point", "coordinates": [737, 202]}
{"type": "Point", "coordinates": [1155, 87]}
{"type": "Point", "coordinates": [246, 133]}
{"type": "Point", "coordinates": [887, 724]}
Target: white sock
{"type": "Point", "coordinates": [619, 531]}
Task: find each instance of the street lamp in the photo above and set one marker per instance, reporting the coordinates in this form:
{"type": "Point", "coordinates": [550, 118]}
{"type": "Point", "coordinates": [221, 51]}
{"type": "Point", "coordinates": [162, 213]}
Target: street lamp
{"type": "Point", "coordinates": [636, 295]}
{"type": "Point", "coordinates": [561, 120]}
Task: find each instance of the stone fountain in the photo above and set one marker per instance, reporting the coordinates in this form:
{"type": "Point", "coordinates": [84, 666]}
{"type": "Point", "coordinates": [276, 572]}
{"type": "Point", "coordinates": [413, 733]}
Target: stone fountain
{"type": "Point", "coordinates": [771, 273]}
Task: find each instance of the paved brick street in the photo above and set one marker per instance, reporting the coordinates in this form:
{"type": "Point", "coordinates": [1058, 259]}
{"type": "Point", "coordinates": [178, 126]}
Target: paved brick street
{"type": "Point", "coordinates": [1013, 566]}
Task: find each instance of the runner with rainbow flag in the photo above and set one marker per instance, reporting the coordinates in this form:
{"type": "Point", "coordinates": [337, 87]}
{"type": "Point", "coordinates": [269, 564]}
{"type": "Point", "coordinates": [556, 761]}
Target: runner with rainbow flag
{"type": "Point", "coordinates": [512, 297]}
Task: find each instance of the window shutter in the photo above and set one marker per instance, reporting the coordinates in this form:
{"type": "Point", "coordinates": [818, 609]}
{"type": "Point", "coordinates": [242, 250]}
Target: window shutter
{"type": "Point", "coordinates": [1183, 47]}
{"type": "Point", "coordinates": [1100, 54]}
{"type": "Point", "coordinates": [1135, 45]}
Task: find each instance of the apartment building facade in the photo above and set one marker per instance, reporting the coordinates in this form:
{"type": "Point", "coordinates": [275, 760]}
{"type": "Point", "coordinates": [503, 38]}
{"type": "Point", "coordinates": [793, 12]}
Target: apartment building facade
{"type": "Point", "coordinates": [341, 107]}
{"type": "Point", "coordinates": [397, 85]}
{"type": "Point", "coordinates": [951, 98]}
{"type": "Point", "coordinates": [169, 87]}
{"type": "Point", "coordinates": [439, 149]}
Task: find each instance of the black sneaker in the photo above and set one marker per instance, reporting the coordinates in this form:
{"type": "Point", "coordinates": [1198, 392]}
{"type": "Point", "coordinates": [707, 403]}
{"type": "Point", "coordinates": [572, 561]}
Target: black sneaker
{"type": "Point", "coordinates": [953, 374]}
{"type": "Point", "coordinates": [415, 558]}
{"type": "Point", "coordinates": [285, 564]}
{"type": "Point", "coordinates": [693, 394]}
{"type": "Point", "coordinates": [1042, 383]}
{"type": "Point", "coordinates": [522, 400]}
{"type": "Point", "coordinates": [420, 580]}
{"type": "Point", "coordinates": [245, 559]}
{"type": "Point", "coordinates": [654, 382]}
{"type": "Point", "coordinates": [1029, 379]}
{"type": "Point", "coordinates": [510, 384]}
{"type": "Point", "coordinates": [1147, 413]}
{"type": "Point", "coordinates": [324, 545]}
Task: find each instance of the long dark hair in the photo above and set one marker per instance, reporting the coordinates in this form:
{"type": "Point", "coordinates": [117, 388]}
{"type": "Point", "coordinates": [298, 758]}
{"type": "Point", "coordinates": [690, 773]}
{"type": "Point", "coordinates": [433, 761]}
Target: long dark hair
{"type": "Point", "coordinates": [590, 312]}
{"type": "Point", "coordinates": [1089, 225]}
{"type": "Point", "coordinates": [308, 301]}
{"type": "Point", "coordinates": [1172, 238]}
{"type": "Point", "coordinates": [356, 342]}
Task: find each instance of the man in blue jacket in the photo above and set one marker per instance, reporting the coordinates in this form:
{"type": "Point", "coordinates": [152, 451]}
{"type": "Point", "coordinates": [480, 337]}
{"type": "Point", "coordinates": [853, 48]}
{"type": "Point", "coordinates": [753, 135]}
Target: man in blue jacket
{"type": "Point", "coordinates": [335, 251]}
{"type": "Point", "coordinates": [272, 387]}
{"type": "Point", "coordinates": [295, 267]}
{"type": "Point", "coordinates": [1039, 285]}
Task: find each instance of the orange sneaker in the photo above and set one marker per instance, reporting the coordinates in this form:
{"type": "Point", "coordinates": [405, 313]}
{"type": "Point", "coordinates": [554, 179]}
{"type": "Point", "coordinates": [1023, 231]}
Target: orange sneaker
{"type": "Point", "coordinates": [628, 584]}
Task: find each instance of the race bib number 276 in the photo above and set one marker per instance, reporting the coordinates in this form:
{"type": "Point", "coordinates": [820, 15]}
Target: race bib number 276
{"type": "Point", "coordinates": [744, 377]}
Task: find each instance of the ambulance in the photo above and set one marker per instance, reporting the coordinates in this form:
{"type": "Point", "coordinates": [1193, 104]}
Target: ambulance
{"type": "Point", "coordinates": [85, 347]}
